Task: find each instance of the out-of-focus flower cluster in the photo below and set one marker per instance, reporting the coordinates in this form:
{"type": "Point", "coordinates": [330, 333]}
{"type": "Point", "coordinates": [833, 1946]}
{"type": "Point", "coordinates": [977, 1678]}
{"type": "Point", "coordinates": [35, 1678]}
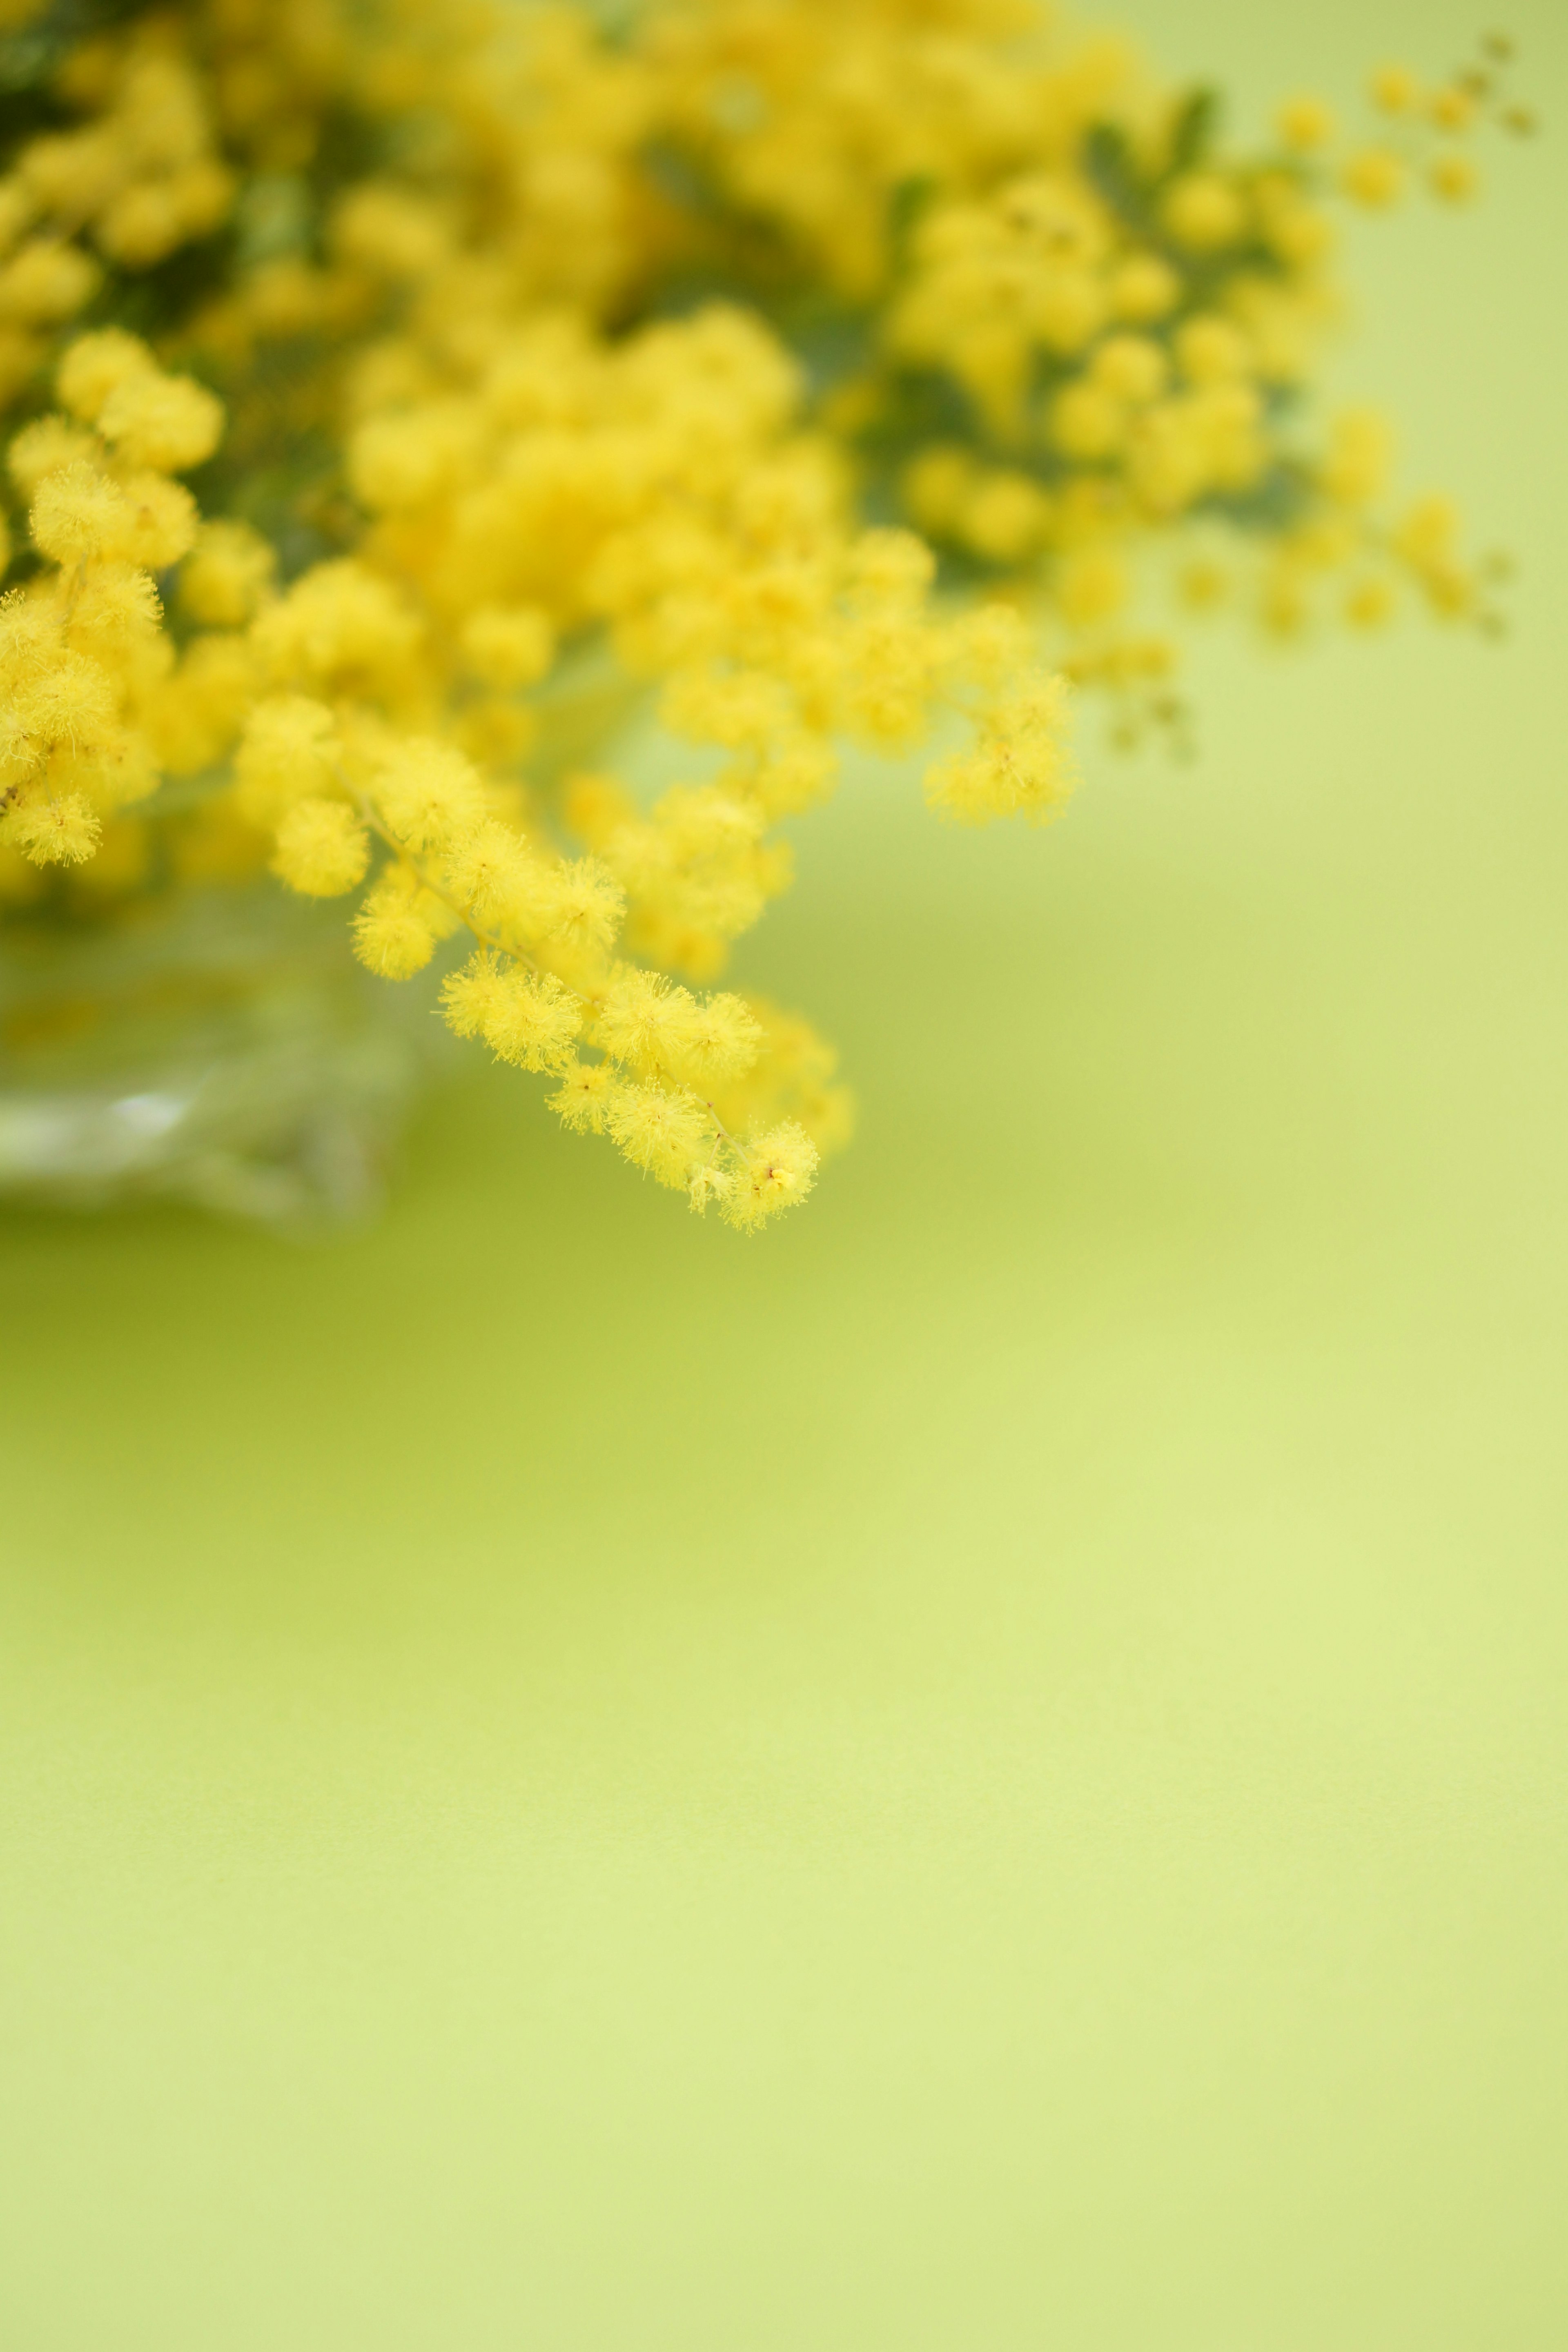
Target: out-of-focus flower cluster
{"type": "Point", "coordinates": [826, 374]}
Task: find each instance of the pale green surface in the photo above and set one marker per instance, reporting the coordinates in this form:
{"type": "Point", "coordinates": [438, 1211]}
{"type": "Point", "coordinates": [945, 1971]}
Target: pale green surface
{"type": "Point", "coordinates": [984, 1773]}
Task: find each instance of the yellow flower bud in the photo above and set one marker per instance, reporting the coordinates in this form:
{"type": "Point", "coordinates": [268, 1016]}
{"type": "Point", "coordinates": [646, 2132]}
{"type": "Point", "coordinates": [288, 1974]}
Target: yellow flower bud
{"type": "Point", "coordinates": [396, 928]}
{"type": "Point", "coordinates": [322, 850]}
{"type": "Point", "coordinates": [663, 1133]}
{"type": "Point", "coordinates": [1205, 212]}
{"type": "Point", "coordinates": [1455, 178]}
{"type": "Point", "coordinates": [1396, 90]}
{"type": "Point", "coordinates": [290, 749]}
{"type": "Point", "coordinates": [53, 830]}
{"type": "Point", "coordinates": [525, 1018]}
{"type": "Point", "coordinates": [95, 365]}
{"type": "Point", "coordinates": [47, 446]}
{"type": "Point", "coordinates": [167, 422]}
{"type": "Point", "coordinates": [1144, 288]}
{"type": "Point", "coordinates": [226, 574]}
{"type": "Point", "coordinates": [1305, 124]}
{"type": "Point", "coordinates": [779, 1171]}
{"type": "Point", "coordinates": [77, 512]}
{"type": "Point", "coordinates": [507, 647]}
{"type": "Point", "coordinates": [45, 282]}
{"type": "Point", "coordinates": [1453, 110]}
{"type": "Point", "coordinates": [1374, 178]}
{"type": "Point", "coordinates": [1130, 368]}
{"type": "Point", "coordinates": [582, 1099]}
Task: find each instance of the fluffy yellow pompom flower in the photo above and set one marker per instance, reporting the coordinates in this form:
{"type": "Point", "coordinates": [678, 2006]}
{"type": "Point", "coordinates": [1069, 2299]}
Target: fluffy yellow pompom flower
{"type": "Point", "coordinates": [1455, 178]}
{"type": "Point", "coordinates": [645, 1020]}
{"type": "Point", "coordinates": [289, 748]}
{"type": "Point", "coordinates": [78, 513]}
{"type": "Point", "coordinates": [1210, 349]}
{"type": "Point", "coordinates": [663, 1133]}
{"type": "Point", "coordinates": [1087, 420]}
{"type": "Point", "coordinates": [1359, 457]}
{"type": "Point", "coordinates": [321, 848]}
{"type": "Point", "coordinates": [581, 906]}
{"type": "Point", "coordinates": [390, 231]}
{"type": "Point", "coordinates": [656, 1027]}
{"type": "Point", "coordinates": [524, 1017]}
{"type": "Point", "coordinates": [1375, 178]}
{"type": "Point", "coordinates": [164, 423]}
{"type": "Point", "coordinates": [1019, 767]}
{"type": "Point", "coordinates": [780, 1169]}
{"type": "Point", "coordinates": [46, 282]}
{"type": "Point", "coordinates": [402, 463]}
{"type": "Point", "coordinates": [1453, 109]}
{"type": "Point", "coordinates": [70, 702]}
{"type": "Point", "coordinates": [59, 830]}
{"type": "Point", "coordinates": [1003, 516]}
{"type": "Point", "coordinates": [1305, 123]}
{"type": "Point", "coordinates": [116, 604]}
{"type": "Point", "coordinates": [341, 628]}
{"type": "Point", "coordinates": [1130, 368]}
{"type": "Point", "coordinates": [1205, 212]}
{"type": "Point", "coordinates": [507, 648]}
{"type": "Point", "coordinates": [47, 446]}
{"type": "Point", "coordinates": [429, 795]}
{"type": "Point", "coordinates": [487, 867]}
{"type": "Point", "coordinates": [157, 521]}
{"type": "Point", "coordinates": [1144, 288]}
{"type": "Point", "coordinates": [97, 365]}
{"type": "Point", "coordinates": [396, 928]}
{"type": "Point", "coordinates": [1395, 89]}
{"type": "Point", "coordinates": [196, 712]}
{"type": "Point", "coordinates": [226, 574]}
{"type": "Point", "coordinates": [1370, 603]}
{"type": "Point", "coordinates": [719, 1040]}
{"type": "Point", "coordinates": [582, 1101]}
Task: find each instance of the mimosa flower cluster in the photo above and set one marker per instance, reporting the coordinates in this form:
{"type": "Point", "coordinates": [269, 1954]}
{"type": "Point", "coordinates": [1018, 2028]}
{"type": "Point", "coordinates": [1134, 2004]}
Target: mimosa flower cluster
{"type": "Point", "coordinates": [398, 393]}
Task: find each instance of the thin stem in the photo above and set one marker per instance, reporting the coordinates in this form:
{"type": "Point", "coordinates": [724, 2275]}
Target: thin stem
{"type": "Point", "coordinates": [742, 1154]}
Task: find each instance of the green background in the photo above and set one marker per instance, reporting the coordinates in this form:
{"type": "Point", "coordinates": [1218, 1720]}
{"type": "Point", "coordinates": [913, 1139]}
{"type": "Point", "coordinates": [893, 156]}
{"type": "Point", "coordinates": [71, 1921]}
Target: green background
{"type": "Point", "coordinates": [985, 1772]}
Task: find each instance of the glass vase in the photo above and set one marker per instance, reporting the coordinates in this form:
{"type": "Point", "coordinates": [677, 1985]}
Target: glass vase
{"type": "Point", "coordinates": [218, 1046]}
